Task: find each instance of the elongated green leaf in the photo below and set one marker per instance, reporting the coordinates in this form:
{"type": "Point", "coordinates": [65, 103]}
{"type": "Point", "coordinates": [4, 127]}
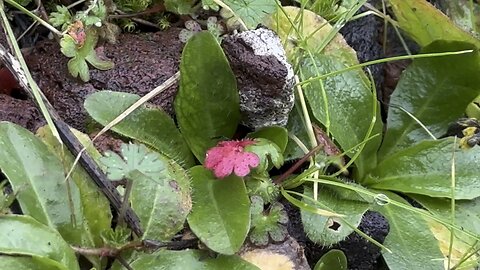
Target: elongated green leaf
{"type": "Point", "coordinates": [436, 91]}
{"type": "Point", "coordinates": [346, 107]}
{"type": "Point", "coordinates": [425, 23]}
{"type": "Point", "coordinates": [28, 262]}
{"type": "Point", "coordinates": [25, 236]}
{"type": "Point", "coordinates": [425, 169]}
{"type": "Point", "coordinates": [467, 212]}
{"type": "Point", "coordinates": [96, 208]}
{"type": "Point", "coordinates": [37, 175]}
{"type": "Point", "coordinates": [412, 244]}
{"type": "Point", "coordinates": [325, 230]}
{"type": "Point", "coordinates": [207, 103]}
{"type": "Point", "coordinates": [220, 215]}
{"type": "Point", "coordinates": [333, 259]}
{"type": "Point", "coordinates": [150, 126]}
{"type": "Point", "coordinates": [467, 216]}
{"type": "Point", "coordinates": [162, 206]}
{"type": "Point", "coordinates": [188, 259]}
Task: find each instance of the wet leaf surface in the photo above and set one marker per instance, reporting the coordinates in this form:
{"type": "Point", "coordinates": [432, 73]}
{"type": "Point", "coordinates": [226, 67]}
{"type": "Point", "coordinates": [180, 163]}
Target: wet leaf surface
{"type": "Point", "coordinates": [220, 215]}
{"type": "Point", "coordinates": [207, 102]}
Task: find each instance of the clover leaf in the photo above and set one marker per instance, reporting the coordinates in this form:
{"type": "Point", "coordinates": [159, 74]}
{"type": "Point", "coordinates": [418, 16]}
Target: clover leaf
{"type": "Point", "coordinates": [266, 226]}
{"type": "Point", "coordinates": [136, 159]}
{"type": "Point", "coordinates": [81, 54]}
{"type": "Point", "coordinates": [269, 153]}
{"type": "Point", "coordinates": [251, 12]}
{"type": "Point", "coordinates": [61, 17]}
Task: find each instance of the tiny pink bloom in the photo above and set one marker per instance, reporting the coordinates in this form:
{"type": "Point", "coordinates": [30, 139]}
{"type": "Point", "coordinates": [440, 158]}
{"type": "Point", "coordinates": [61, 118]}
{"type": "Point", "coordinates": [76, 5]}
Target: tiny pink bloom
{"type": "Point", "coordinates": [230, 156]}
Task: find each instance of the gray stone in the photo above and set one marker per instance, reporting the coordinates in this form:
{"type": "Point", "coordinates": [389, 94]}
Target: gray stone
{"type": "Point", "coordinates": [265, 79]}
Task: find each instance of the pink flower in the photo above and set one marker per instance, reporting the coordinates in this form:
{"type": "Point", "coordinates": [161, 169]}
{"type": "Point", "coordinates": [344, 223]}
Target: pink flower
{"type": "Point", "coordinates": [230, 156]}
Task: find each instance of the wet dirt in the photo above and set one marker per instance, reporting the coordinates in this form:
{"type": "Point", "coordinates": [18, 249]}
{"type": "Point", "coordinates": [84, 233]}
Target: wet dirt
{"type": "Point", "coordinates": [21, 112]}
{"type": "Point", "coordinates": [142, 62]}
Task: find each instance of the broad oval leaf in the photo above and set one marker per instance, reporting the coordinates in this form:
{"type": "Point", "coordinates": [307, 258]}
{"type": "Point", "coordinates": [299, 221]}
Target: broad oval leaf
{"type": "Point", "coordinates": [207, 102]}
{"type": "Point", "coordinates": [436, 91]}
{"type": "Point", "coordinates": [346, 107]}
{"type": "Point", "coordinates": [220, 214]}
{"type": "Point", "coordinates": [23, 235]}
{"type": "Point", "coordinates": [424, 23]}
{"type": "Point", "coordinates": [426, 168]}
{"type": "Point", "coordinates": [162, 206]}
{"type": "Point", "coordinates": [410, 241]}
{"type": "Point", "coordinates": [333, 259]}
{"type": "Point", "coordinates": [37, 175]}
{"type": "Point", "coordinates": [325, 230]}
{"type": "Point", "coordinates": [150, 126]}
{"type": "Point", "coordinates": [187, 259]}
{"type": "Point", "coordinates": [95, 206]}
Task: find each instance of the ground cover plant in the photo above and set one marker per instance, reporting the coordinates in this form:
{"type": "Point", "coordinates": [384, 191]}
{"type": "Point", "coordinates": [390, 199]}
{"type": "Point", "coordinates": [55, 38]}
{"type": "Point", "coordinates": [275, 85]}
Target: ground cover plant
{"type": "Point", "coordinates": [197, 188]}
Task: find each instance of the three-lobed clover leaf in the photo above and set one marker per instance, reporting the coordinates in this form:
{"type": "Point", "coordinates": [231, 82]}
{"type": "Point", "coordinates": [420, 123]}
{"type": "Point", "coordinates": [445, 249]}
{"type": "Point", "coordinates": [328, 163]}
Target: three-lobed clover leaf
{"type": "Point", "coordinates": [251, 12]}
{"type": "Point", "coordinates": [77, 66]}
{"type": "Point", "coordinates": [269, 153]}
{"type": "Point", "coordinates": [136, 159]}
{"type": "Point", "coordinates": [266, 226]}
{"type": "Point", "coordinates": [61, 17]}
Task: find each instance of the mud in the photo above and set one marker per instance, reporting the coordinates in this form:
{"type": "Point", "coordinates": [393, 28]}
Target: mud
{"type": "Point", "coordinates": [142, 62]}
{"type": "Point", "coordinates": [21, 112]}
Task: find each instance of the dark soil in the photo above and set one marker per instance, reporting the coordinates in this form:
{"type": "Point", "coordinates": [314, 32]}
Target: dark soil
{"type": "Point", "coordinates": [142, 62]}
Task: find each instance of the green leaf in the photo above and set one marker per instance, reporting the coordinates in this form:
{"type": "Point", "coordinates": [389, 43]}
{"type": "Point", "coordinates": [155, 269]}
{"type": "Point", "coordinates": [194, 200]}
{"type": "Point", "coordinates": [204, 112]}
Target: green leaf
{"type": "Point", "coordinates": [148, 125]}
{"type": "Point", "coordinates": [278, 135]}
{"type": "Point", "coordinates": [220, 215]}
{"type": "Point", "coordinates": [347, 108]}
{"type": "Point", "coordinates": [37, 175]}
{"type": "Point", "coordinates": [188, 259]}
{"type": "Point", "coordinates": [267, 224]}
{"type": "Point", "coordinates": [425, 168]}
{"type": "Point", "coordinates": [78, 68]}
{"type": "Point", "coordinates": [95, 206]}
{"type": "Point", "coordinates": [436, 91]}
{"type": "Point", "coordinates": [179, 7]}
{"type": "Point", "coordinates": [207, 102]}
{"type": "Point", "coordinates": [325, 230]}
{"type": "Point", "coordinates": [97, 62]}
{"type": "Point", "coordinates": [269, 153]}
{"type": "Point", "coordinates": [61, 17]}
{"type": "Point", "coordinates": [162, 205]}
{"type": "Point", "coordinates": [28, 262]}
{"type": "Point", "coordinates": [23, 235]}
{"type": "Point", "coordinates": [135, 158]}
{"type": "Point", "coordinates": [424, 23]}
{"type": "Point", "coordinates": [68, 46]}
{"type": "Point", "coordinates": [252, 12]}
{"type": "Point", "coordinates": [473, 109]}
{"type": "Point", "coordinates": [333, 259]}
{"type": "Point", "coordinates": [412, 244]}
{"type": "Point", "coordinates": [317, 29]}
{"type": "Point", "coordinates": [467, 214]}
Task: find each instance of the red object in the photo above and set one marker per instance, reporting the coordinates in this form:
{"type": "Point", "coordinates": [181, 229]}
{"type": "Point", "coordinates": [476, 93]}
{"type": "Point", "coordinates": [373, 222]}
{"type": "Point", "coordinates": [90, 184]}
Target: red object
{"type": "Point", "coordinates": [230, 156]}
{"type": "Point", "coordinates": [8, 83]}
